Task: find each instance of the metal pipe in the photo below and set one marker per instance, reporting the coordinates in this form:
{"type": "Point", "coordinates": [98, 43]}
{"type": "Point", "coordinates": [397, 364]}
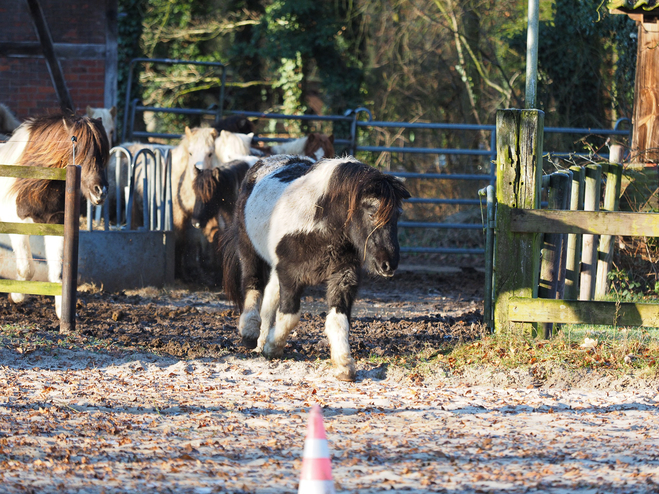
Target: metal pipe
{"type": "Point", "coordinates": [489, 192]}
{"type": "Point", "coordinates": [532, 55]}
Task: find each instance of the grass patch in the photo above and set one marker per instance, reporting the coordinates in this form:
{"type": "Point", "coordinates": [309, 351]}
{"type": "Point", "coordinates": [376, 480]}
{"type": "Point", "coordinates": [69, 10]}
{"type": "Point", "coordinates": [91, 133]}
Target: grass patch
{"type": "Point", "coordinates": [612, 351]}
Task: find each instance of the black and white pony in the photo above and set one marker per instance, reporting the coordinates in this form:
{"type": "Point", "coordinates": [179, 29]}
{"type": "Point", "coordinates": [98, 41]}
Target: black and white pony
{"type": "Point", "coordinates": [46, 142]}
{"type": "Point", "coordinates": [299, 223]}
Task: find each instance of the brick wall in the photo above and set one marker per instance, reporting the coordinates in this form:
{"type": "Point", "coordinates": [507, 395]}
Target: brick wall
{"type": "Point", "coordinates": [25, 83]}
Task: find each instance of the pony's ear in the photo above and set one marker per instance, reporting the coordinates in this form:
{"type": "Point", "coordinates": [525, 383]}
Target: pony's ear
{"type": "Point", "coordinates": [113, 111]}
{"type": "Point", "coordinates": [216, 173]}
{"type": "Point", "coordinates": [331, 138]}
{"type": "Point", "coordinates": [214, 133]}
{"type": "Point", "coordinates": [188, 132]}
{"type": "Point", "coordinates": [399, 187]}
{"type": "Point", "coordinates": [89, 111]}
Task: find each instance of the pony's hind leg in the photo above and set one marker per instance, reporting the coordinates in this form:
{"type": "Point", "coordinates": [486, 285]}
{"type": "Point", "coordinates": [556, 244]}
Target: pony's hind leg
{"type": "Point", "coordinates": [24, 263]}
{"type": "Point", "coordinates": [54, 255]}
{"type": "Point", "coordinates": [268, 309]}
{"type": "Point", "coordinates": [341, 292]}
{"type": "Point", "coordinates": [287, 316]}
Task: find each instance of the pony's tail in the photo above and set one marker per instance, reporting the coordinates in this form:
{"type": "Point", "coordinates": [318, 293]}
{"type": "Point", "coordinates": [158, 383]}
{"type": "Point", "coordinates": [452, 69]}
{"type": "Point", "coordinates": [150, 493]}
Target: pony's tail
{"type": "Point", "coordinates": [231, 272]}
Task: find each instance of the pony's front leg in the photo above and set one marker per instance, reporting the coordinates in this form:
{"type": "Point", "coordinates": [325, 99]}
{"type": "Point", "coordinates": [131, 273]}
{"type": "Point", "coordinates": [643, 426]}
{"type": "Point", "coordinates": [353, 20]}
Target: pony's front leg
{"type": "Point", "coordinates": [249, 325]}
{"type": "Point", "coordinates": [24, 263]}
{"type": "Point", "coordinates": [268, 309]}
{"type": "Point", "coordinates": [341, 292]}
{"type": "Point", "coordinates": [287, 316]}
{"type": "Point", "coordinates": [54, 255]}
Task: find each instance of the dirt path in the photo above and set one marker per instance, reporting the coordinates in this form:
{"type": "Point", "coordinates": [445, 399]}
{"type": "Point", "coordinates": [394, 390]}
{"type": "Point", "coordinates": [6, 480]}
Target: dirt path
{"type": "Point", "coordinates": [164, 399]}
{"type": "Point", "coordinates": [91, 423]}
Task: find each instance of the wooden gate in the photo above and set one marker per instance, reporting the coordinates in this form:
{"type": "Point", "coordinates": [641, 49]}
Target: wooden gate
{"type": "Point", "coordinates": [520, 225]}
{"type": "Point", "coordinates": [70, 230]}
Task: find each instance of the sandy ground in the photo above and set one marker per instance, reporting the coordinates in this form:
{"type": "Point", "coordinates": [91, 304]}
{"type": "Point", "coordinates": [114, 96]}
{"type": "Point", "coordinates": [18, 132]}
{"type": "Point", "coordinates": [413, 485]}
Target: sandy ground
{"type": "Point", "coordinates": [133, 419]}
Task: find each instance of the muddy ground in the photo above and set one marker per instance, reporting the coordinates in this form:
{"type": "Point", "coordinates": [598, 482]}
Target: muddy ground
{"type": "Point", "coordinates": [400, 316]}
{"type": "Point", "coordinates": [155, 394]}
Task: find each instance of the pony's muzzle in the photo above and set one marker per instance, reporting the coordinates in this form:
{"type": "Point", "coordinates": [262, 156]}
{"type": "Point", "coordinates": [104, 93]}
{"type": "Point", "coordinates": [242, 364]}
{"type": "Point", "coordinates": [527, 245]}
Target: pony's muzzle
{"type": "Point", "coordinates": [98, 194]}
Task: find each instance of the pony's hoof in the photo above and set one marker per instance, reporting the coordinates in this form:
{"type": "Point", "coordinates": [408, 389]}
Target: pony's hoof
{"type": "Point", "coordinates": [17, 298]}
{"type": "Point", "coordinates": [271, 352]}
{"type": "Point", "coordinates": [249, 343]}
{"type": "Point", "coordinates": [347, 374]}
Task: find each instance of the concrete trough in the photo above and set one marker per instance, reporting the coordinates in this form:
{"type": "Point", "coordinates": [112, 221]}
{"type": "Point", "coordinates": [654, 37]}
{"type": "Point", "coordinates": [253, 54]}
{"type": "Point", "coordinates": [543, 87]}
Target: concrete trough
{"type": "Point", "coordinates": [113, 260]}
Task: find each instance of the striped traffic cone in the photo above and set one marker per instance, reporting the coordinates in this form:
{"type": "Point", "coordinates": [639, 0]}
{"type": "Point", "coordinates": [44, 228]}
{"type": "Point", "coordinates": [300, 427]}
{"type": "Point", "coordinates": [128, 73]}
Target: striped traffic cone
{"type": "Point", "coordinates": [316, 477]}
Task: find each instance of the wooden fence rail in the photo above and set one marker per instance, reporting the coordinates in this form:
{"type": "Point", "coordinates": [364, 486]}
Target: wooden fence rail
{"type": "Point", "coordinates": [69, 230]}
{"type": "Point", "coordinates": [527, 286]}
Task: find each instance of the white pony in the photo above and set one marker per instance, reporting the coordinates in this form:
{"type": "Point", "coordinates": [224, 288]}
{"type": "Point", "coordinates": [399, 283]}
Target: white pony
{"type": "Point", "coordinates": [107, 116]}
{"type": "Point", "coordinates": [231, 146]}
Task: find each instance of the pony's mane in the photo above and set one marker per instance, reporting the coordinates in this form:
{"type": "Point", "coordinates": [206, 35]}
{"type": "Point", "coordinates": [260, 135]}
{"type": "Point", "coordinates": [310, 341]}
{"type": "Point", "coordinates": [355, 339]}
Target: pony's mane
{"type": "Point", "coordinates": [49, 145]}
{"type": "Point", "coordinates": [204, 185]}
{"type": "Point", "coordinates": [355, 180]}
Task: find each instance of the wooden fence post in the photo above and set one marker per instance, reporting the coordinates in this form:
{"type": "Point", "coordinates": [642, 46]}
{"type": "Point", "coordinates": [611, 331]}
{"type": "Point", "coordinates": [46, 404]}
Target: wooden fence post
{"type": "Point", "coordinates": [519, 173]}
{"type": "Point", "coordinates": [589, 253]}
{"type": "Point", "coordinates": [551, 284]}
{"type": "Point", "coordinates": [574, 240]}
{"type": "Point", "coordinates": [70, 257]}
{"type": "Point", "coordinates": [605, 251]}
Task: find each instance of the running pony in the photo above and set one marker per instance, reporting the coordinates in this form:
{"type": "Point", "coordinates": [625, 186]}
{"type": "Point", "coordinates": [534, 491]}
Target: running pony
{"type": "Point", "coordinates": [46, 142]}
{"type": "Point", "coordinates": [308, 223]}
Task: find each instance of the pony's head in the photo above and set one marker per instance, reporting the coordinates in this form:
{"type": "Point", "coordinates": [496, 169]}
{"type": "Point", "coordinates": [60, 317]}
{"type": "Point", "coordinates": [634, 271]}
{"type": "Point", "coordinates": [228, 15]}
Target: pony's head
{"type": "Point", "coordinates": [205, 185]}
{"type": "Point", "coordinates": [230, 145]}
{"type": "Point", "coordinates": [107, 116]}
{"type": "Point", "coordinates": [200, 145]}
{"type": "Point", "coordinates": [50, 145]}
{"type": "Point", "coordinates": [216, 191]}
{"type": "Point", "coordinates": [319, 146]}
{"type": "Point", "coordinates": [371, 203]}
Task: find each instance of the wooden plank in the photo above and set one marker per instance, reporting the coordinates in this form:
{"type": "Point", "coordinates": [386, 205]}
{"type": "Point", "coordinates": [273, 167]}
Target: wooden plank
{"type": "Point", "coordinates": [590, 242]}
{"type": "Point", "coordinates": [593, 222]}
{"type": "Point", "coordinates": [573, 260]}
{"type": "Point", "coordinates": [54, 67]}
{"type": "Point", "coordinates": [605, 250]}
{"type": "Point", "coordinates": [584, 312]}
{"type": "Point", "coordinates": [32, 229]}
{"type": "Point", "coordinates": [646, 95]}
{"type": "Point", "coordinates": [517, 260]}
{"type": "Point", "coordinates": [31, 287]}
{"type": "Point", "coordinates": [36, 172]}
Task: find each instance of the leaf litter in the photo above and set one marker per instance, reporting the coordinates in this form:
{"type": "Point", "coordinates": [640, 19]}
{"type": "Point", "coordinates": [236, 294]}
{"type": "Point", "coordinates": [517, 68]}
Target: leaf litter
{"type": "Point", "coordinates": [98, 414]}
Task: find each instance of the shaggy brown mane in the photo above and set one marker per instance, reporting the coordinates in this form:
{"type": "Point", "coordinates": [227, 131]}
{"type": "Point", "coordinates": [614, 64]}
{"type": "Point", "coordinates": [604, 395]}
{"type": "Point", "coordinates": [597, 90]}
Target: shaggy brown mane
{"type": "Point", "coordinates": [50, 146]}
{"type": "Point", "coordinates": [359, 181]}
{"type": "Point", "coordinates": [204, 185]}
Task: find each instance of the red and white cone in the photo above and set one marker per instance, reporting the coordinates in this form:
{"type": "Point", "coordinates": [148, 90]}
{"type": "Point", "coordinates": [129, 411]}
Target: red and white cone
{"type": "Point", "coordinates": [316, 477]}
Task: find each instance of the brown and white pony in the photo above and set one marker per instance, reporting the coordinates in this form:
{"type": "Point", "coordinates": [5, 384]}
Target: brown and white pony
{"type": "Point", "coordinates": [46, 142]}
